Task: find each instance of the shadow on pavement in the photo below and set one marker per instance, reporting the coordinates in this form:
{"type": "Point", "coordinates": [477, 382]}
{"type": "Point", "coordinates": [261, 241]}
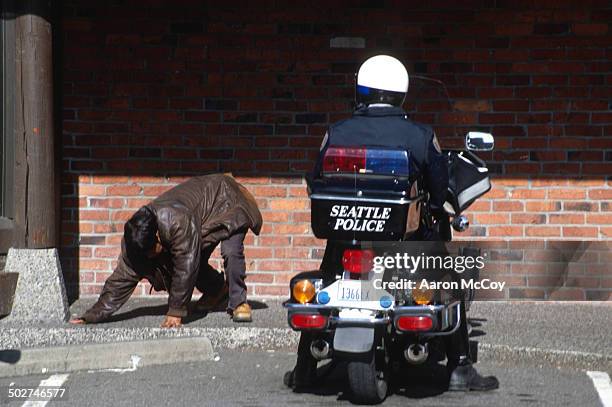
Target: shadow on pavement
{"type": "Point", "coordinates": [161, 309]}
{"type": "Point", "coordinates": [413, 383]}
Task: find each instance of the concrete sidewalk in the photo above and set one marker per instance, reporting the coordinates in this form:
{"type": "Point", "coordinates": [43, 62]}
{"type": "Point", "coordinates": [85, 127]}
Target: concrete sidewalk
{"type": "Point", "coordinates": [570, 334]}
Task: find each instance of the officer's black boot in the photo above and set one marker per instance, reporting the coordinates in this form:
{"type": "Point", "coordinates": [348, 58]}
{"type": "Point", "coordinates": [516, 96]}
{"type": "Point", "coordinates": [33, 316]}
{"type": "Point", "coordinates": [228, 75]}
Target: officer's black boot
{"type": "Point", "coordinates": [304, 374]}
{"type": "Point", "coordinates": [464, 377]}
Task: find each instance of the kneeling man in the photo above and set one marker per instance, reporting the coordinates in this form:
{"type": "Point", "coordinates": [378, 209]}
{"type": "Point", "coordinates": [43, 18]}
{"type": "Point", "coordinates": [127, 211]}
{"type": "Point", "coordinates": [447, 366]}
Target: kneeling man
{"type": "Point", "coordinates": [169, 241]}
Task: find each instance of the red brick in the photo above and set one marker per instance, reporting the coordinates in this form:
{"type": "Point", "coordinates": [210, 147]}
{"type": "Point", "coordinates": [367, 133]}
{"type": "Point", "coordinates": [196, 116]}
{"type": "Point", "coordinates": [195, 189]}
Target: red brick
{"type": "Point", "coordinates": [480, 206]}
{"type": "Point", "coordinates": [581, 231]}
{"type": "Point", "coordinates": [267, 278]}
{"type": "Point", "coordinates": [491, 218]}
{"type": "Point", "coordinates": [298, 192]}
{"type": "Point", "coordinates": [124, 190]}
{"type": "Point", "coordinates": [590, 29]}
{"type": "Point", "coordinates": [137, 203]}
{"type": "Point", "coordinates": [580, 206]}
{"type": "Point", "coordinates": [155, 191]}
{"type": "Point", "coordinates": [509, 206]}
{"type": "Point", "coordinates": [566, 218]}
{"type": "Point", "coordinates": [599, 219]}
{"type": "Point", "coordinates": [121, 216]}
{"type": "Point", "coordinates": [107, 252]}
{"type": "Point", "coordinates": [283, 278]}
{"type": "Point", "coordinates": [306, 265]}
{"type": "Point", "coordinates": [106, 203]}
{"type": "Point", "coordinates": [258, 253]}
{"type": "Point", "coordinates": [511, 105]}
{"type": "Point", "coordinates": [307, 241]}
{"type": "Point", "coordinates": [274, 240]}
{"type": "Point", "coordinates": [114, 240]}
{"type": "Point", "coordinates": [273, 216]}
{"type": "Point", "coordinates": [273, 265]}
{"type": "Point", "coordinates": [272, 290]}
{"type": "Point", "coordinates": [566, 194]}
{"type": "Point", "coordinates": [510, 182]}
{"type": "Point", "coordinates": [85, 264]}
{"type": "Point", "coordinates": [291, 229]}
{"type": "Point", "coordinates": [528, 218]}
{"type": "Point", "coordinates": [505, 231]}
{"type": "Point", "coordinates": [288, 204]}
{"type": "Point", "coordinates": [92, 190]}
{"type": "Point", "coordinates": [528, 194]}
{"type": "Point", "coordinates": [93, 215]}
{"type": "Point", "coordinates": [86, 277]}
{"type": "Point", "coordinates": [542, 231]}
{"type": "Point", "coordinates": [601, 194]}
{"type": "Point", "coordinates": [269, 191]}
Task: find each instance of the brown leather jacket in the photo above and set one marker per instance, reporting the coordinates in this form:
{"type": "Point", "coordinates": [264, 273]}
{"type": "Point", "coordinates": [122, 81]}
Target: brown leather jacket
{"type": "Point", "coordinates": [190, 217]}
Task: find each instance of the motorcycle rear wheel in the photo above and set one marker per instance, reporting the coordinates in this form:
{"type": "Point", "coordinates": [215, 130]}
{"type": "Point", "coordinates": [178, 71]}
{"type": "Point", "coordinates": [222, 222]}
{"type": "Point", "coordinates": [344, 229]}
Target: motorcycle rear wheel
{"type": "Point", "coordinates": [368, 382]}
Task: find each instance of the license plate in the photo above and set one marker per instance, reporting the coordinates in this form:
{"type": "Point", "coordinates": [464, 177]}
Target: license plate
{"type": "Point", "coordinates": [352, 292]}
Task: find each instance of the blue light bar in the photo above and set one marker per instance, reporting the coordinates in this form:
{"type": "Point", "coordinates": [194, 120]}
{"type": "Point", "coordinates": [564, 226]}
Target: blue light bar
{"type": "Point", "coordinates": [393, 162]}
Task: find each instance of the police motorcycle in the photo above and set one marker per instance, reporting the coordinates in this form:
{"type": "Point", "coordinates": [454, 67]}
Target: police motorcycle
{"type": "Point", "coordinates": [367, 194]}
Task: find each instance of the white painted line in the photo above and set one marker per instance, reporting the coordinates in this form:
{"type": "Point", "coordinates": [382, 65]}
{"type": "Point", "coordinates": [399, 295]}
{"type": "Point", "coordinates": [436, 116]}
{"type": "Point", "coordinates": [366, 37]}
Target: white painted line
{"type": "Point", "coordinates": [54, 381]}
{"type": "Point", "coordinates": [602, 383]}
{"type": "Point", "coordinates": [135, 361]}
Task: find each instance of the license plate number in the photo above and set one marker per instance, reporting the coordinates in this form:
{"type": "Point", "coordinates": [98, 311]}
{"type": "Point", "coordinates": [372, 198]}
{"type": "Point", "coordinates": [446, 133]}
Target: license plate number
{"type": "Point", "coordinates": [351, 293]}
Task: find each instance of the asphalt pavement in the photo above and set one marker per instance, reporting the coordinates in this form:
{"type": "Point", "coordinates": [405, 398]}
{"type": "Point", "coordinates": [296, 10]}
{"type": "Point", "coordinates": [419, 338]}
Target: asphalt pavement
{"type": "Point", "coordinates": [541, 352]}
{"type": "Point", "coordinates": [254, 378]}
{"type": "Point", "coordinates": [569, 334]}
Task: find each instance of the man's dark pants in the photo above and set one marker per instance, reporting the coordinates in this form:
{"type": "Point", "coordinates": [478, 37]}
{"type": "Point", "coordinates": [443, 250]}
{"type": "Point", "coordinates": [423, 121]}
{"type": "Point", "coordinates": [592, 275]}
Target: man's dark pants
{"type": "Point", "coordinates": [210, 281]}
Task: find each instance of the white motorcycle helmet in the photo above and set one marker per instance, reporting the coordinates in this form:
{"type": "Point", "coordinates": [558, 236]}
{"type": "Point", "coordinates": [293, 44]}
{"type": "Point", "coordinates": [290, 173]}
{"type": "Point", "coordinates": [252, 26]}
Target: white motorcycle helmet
{"type": "Point", "coordinates": [381, 79]}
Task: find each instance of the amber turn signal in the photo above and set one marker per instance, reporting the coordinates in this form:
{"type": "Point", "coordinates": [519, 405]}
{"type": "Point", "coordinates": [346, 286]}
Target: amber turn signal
{"type": "Point", "coordinates": [303, 291]}
{"type": "Point", "coordinates": [422, 296]}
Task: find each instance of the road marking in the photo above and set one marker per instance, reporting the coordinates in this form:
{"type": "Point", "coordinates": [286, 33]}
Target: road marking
{"type": "Point", "coordinates": [135, 361]}
{"type": "Point", "coordinates": [602, 383]}
{"type": "Point", "coordinates": [54, 381]}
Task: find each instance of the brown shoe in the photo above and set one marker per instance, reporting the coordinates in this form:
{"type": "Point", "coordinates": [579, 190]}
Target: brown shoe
{"type": "Point", "coordinates": [218, 302]}
{"type": "Point", "coordinates": [242, 313]}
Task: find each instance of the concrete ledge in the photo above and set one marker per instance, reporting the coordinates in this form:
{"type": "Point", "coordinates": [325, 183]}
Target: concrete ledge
{"type": "Point", "coordinates": [124, 355]}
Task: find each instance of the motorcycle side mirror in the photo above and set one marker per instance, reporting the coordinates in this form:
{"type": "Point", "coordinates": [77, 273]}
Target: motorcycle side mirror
{"type": "Point", "coordinates": [477, 141]}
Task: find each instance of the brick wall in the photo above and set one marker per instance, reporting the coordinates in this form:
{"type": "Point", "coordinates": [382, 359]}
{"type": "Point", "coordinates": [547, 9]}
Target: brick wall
{"type": "Point", "coordinates": [159, 92]}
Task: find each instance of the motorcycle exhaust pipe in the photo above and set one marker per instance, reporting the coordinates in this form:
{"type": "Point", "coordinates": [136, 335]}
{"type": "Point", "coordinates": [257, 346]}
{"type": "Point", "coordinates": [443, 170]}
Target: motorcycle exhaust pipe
{"type": "Point", "coordinates": [416, 353]}
{"type": "Point", "coordinates": [319, 349]}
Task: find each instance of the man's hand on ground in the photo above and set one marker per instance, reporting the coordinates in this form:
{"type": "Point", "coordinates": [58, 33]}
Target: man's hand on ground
{"type": "Point", "coordinates": [172, 322]}
{"type": "Point", "coordinates": [78, 321]}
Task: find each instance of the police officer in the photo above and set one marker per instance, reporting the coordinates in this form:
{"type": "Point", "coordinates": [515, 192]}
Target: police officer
{"type": "Point", "coordinates": [382, 84]}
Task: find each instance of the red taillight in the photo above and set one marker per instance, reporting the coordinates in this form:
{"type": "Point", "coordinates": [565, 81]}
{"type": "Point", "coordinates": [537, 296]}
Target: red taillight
{"type": "Point", "coordinates": [308, 321]}
{"type": "Point", "coordinates": [414, 323]}
{"type": "Point", "coordinates": [344, 159]}
{"type": "Point", "coordinates": [357, 261]}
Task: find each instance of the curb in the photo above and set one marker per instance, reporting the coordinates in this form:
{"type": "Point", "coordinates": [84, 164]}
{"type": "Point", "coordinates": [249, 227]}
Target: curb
{"type": "Point", "coordinates": [560, 358]}
{"type": "Point", "coordinates": [126, 356]}
{"type": "Point", "coordinates": [126, 348]}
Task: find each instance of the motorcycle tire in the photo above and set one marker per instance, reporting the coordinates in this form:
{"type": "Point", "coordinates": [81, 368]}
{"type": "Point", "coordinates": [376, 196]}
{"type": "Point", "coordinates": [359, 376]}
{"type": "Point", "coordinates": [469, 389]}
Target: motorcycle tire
{"type": "Point", "coordinates": [368, 383]}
